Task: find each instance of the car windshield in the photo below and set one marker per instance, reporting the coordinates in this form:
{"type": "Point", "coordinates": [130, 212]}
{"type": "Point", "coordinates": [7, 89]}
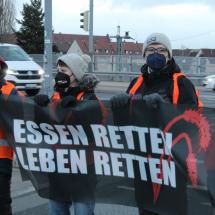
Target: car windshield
{"type": "Point", "coordinates": [13, 53]}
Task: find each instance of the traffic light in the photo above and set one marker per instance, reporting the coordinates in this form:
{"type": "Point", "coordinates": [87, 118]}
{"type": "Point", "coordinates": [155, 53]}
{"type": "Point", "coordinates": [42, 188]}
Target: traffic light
{"type": "Point", "coordinates": [84, 20]}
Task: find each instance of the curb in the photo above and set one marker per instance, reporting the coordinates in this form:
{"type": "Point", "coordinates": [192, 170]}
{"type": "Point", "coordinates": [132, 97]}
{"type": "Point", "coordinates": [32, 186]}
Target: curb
{"type": "Point", "coordinates": [18, 194]}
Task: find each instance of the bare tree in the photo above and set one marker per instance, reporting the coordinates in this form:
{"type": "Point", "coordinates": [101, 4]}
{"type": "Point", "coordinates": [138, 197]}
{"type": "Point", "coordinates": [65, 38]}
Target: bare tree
{"type": "Point", "coordinates": [7, 18]}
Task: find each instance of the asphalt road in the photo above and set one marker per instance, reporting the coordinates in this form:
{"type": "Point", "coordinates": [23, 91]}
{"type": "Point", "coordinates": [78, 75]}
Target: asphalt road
{"type": "Point", "coordinates": [27, 202]}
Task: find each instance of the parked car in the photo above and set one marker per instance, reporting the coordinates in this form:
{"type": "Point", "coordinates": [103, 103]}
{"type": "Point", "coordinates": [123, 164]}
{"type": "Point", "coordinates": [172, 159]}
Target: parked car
{"type": "Point", "coordinates": [22, 70]}
{"type": "Point", "coordinates": [209, 82]}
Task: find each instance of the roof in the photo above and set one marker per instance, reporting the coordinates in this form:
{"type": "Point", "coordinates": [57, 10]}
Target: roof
{"type": "Point", "coordinates": [129, 47]}
{"type": "Point", "coordinates": [194, 52]}
{"type": "Point", "coordinates": [185, 52]}
{"type": "Point", "coordinates": [207, 53]}
{"type": "Point", "coordinates": [102, 44]}
{"type": "Point", "coordinates": [64, 41]}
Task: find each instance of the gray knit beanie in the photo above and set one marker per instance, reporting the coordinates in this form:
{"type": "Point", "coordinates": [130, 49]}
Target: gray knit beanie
{"type": "Point", "coordinates": [77, 63]}
{"type": "Point", "coordinates": [160, 39]}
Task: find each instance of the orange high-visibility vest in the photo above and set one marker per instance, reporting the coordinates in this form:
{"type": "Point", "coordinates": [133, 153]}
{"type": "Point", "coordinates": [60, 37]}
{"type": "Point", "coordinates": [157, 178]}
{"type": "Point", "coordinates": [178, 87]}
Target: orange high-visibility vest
{"type": "Point", "coordinates": [175, 96]}
{"type": "Point", "coordinates": [56, 96]}
{"type": "Point", "coordinates": [6, 151]}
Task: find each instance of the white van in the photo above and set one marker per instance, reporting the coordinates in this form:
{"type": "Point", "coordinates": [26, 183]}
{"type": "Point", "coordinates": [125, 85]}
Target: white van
{"type": "Point", "coordinates": [22, 70]}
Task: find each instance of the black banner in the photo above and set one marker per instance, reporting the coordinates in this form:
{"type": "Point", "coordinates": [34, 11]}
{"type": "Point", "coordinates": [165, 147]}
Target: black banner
{"type": "Point", "coordinates": [134, 156]}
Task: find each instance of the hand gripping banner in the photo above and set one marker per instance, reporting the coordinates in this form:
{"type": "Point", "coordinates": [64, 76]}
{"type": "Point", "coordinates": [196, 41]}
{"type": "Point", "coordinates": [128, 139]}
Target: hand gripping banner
{"type": "Point", "coordinates": [160, 159]}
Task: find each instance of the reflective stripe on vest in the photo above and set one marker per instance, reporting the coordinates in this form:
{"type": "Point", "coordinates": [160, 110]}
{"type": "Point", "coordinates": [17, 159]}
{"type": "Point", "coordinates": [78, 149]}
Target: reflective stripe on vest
{"type": "Point", "coordinates": [6, 151]}
{"type": "Point", "coordinates": [175, 88]}
{"type": "Point", "coordinates": [79, 96]}
{"type": "Point", "coordinates": [136, 85]}
{"type": "Point", "coordinates": [56, 96]}
{"type": "Point", "coordinates": [7, 88]}
{"type": "Point", "coordinates": [175, 94]}
{"type": "Point", "coordinates": [200, 103]}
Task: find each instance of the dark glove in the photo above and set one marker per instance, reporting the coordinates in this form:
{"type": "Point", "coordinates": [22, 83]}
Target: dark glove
{"type": "Point", "coordinates": [68, 101]}
{"type": "Point", "coordinates": [42, 100]}
{"type": "Point", "coordinates": [119, 100]}
{"type": "Point", "coordinates": [153, 100]}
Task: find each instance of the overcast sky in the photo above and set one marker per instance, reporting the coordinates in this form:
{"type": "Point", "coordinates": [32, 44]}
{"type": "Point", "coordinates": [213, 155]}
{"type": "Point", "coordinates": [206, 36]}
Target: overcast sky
{"type": "Point", "coordinates": [188, 24]}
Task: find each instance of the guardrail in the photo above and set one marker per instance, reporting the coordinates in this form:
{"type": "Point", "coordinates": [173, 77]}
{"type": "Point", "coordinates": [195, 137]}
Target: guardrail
{"type": "Point", "coordinates": [128, 76]}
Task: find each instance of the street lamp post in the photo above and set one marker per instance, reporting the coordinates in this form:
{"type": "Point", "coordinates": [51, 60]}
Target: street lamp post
{"type": "Point", "coordinates": [48, 46]}
{"type": "Point", "coordinates": [119, 47]}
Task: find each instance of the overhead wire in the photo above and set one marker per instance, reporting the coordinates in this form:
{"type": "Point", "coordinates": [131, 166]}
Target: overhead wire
{"type": "Point", "coordinates": [193, 36]}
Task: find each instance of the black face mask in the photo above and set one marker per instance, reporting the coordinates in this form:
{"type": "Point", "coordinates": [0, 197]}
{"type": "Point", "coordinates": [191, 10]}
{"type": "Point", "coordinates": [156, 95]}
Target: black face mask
{"type": "Point", "coordinates": [156, 61]}
{"type": "Point", "coordinates": [62, 81]}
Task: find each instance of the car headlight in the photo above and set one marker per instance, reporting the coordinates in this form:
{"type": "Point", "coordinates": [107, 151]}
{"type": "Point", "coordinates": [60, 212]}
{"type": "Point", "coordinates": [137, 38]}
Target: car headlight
{"type": "Point", "coordinates": [210, 79]}
{"type": "Point", "coordinates": [11, 72]}
{"type": "Point", "coordinates": [41, 72]}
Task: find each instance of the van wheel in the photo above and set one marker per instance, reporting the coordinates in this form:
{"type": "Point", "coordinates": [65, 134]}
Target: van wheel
{"type": "Point", "coordinates": [32, 92]}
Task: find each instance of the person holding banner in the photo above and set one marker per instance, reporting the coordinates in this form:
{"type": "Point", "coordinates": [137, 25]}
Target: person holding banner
{"type": "Point", "coordinates": [6, 151]}
{"type": "Point", "coordinates": [72, 85]}
{"type": "Point", "coordinates": [160, 81]}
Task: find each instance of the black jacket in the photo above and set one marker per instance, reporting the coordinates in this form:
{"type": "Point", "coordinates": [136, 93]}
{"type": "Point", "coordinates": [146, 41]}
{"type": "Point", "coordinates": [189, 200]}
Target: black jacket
{"type": "Point", "coordinates": [74, 91]}
{"type": "Point", "coordinates": [162, 82]}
